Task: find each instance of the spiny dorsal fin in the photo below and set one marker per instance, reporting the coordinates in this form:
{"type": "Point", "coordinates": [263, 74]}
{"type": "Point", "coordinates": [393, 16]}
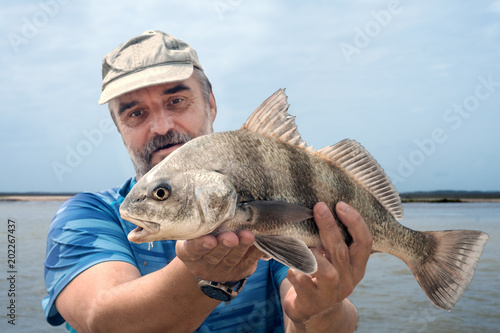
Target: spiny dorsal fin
{"type": "Point", "coordinates": [361, 166]}
{"type": "Point", "coordinates": [272, 120]}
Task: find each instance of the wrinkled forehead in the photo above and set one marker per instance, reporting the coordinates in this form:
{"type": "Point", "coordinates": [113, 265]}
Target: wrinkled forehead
{"type": "Point", "coordinates": [119, 104]}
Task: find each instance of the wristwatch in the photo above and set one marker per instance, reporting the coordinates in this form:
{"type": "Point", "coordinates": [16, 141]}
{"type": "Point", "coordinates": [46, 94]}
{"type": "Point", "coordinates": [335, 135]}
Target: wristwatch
{"type": "Point", "coordinates": [221, 291]}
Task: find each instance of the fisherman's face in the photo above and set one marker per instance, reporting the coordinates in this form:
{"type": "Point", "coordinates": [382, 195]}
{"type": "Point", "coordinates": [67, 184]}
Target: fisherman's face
{"type": "Point", "coordinates": [156, 120]}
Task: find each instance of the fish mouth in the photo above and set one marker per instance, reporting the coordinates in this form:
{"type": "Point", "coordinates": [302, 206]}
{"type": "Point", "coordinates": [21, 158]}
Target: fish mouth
{"type": "Point", "coordinates": [143, 230]}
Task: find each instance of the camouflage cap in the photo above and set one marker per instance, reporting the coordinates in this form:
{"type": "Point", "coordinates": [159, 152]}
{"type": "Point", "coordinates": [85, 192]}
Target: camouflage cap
{"type": "Point", "coordinates": [146, 60]}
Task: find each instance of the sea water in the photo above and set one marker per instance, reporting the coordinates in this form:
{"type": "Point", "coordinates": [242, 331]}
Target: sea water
{"type": "Point", "coordinates": [388, 299]}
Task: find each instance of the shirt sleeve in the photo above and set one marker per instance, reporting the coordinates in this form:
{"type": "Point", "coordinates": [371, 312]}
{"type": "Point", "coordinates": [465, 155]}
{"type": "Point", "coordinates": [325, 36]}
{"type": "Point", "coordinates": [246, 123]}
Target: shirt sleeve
{"type": "Point", "coordinates": [84, 232]}
{"type": "Point", "coordinates": [279, 272]}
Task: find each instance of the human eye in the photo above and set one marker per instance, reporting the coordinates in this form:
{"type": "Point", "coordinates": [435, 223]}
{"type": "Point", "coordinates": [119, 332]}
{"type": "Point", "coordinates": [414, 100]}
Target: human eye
{"type": "Point", "coordinates": [136, 113]}
{"type": "Point", "coordinates": [176, 101]}
{"type": "Point", "coordinates": [177, 104]}
{"type": "Point", "coordinates": [135, 117]}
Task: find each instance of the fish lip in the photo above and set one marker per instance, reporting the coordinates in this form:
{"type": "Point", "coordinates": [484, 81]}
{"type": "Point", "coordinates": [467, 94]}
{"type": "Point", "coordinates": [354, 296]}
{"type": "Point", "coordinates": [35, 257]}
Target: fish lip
{"type": "Point", "coordinates": [143, 229]}
{"type": "Point", "coordinates": [150, 226]}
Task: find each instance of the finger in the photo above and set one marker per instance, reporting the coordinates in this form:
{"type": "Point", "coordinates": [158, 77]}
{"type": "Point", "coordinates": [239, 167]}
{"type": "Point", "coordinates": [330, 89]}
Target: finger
{"type": "Point", "coordinates": [252, 254]}
{"type": "Point", "coordinates": [333, 285]}
{"type": "Point", "coordinates": [225, 242]}
{"type": "Point", "coordinates": [195, 249]}
{"type": "Point", "coordinates": [302, 283]}
{"type": "Point", "coordinates": [360, 249]}
{"type": "Point", "coordinates": [357, 227]}
{"type": "Point", "coordinates": [330, 234]}
{"type": "Point", "coordinates": [339, 275]}
{"type": "Point", "coordinates": [354, 222]}
{"type": "Point", "coordinates": [244, 241]}
{"type": "Point", "coordinates": [327, 275]}
{"type": "Point", "coordinates": [314, 293]}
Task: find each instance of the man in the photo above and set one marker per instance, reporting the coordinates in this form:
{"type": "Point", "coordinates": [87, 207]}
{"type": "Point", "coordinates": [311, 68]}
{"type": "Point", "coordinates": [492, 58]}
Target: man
{"type": "Point", "coordinates": [97, 281]}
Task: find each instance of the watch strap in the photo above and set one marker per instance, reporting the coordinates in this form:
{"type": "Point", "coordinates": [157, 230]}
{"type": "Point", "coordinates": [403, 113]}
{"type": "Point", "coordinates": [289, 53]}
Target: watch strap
{"type": "Point", "coordinates": [222, 291]}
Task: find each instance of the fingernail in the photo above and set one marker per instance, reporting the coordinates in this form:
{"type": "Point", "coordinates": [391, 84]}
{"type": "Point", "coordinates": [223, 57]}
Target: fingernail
{"type": "Point", "coordinates": [323, 210]}
{"type": "Point", "coordinates": [342, 206]}
{"type": "Point", "coordinates": [207, 246]}
{"type": "Point", "coordinates": [227, 243]}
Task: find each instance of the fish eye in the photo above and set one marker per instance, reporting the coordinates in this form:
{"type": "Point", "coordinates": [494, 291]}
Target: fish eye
{"type": "Point", "coordinates": [161, 192]}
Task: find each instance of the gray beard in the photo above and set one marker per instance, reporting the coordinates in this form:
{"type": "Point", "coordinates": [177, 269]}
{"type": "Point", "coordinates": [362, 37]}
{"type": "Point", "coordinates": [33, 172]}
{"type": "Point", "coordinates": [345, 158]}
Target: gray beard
{"type": "Point", "coordinates": [142, 158]}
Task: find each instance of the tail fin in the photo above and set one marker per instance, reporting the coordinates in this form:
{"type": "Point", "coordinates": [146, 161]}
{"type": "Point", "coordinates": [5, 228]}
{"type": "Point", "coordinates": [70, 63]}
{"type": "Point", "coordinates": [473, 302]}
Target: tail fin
{"type": "Point", "coordinates": [445, 275]}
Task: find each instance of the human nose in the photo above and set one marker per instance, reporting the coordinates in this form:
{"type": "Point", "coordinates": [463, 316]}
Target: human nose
{"type": "Point", "coordinates": [161, 123]}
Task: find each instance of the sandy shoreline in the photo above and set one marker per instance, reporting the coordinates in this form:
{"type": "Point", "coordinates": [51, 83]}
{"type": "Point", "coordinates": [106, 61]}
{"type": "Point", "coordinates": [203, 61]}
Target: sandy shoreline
{"type": "Point", "coordinates": [453, 200]}
{"type": "Point", "coordinates": [405, 200]}
{"type": "Point", "coordinates": [35, 197]}
{"type": "Point", "coordinates": [480, 200]}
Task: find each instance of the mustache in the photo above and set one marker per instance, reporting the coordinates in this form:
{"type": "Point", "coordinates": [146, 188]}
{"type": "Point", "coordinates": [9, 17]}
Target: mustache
{"type": "Point", "coordinates": [163, 141]}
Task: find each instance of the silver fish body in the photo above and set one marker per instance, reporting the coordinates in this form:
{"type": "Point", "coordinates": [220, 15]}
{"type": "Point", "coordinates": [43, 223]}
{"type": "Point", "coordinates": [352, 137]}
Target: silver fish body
{"type": "Point", "coordinates": [265, 179]}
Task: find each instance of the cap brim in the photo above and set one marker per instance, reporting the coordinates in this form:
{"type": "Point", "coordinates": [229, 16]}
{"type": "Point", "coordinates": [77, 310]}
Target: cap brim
{"type": "Point", "coordinates": [145, 78]}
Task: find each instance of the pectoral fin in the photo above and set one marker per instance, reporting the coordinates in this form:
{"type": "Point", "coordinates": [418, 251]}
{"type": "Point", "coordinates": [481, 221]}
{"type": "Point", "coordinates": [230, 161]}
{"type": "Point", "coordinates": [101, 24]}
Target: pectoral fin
{"type": "Point", "coordinates": [289, 251]}
{"type": "Point", "coordinates": [278, 211]}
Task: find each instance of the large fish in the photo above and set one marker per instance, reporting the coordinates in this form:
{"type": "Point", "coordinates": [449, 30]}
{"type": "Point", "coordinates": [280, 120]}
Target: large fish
{"type": "Point", "coordinates": [264, 178]}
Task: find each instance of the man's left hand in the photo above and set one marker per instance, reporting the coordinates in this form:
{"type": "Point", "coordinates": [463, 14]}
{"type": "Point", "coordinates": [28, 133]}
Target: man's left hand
{"type": "Point", "coordinates": [318, 300]}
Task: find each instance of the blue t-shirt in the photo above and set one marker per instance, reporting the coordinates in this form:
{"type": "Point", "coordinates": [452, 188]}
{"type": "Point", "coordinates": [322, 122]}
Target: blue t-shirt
{"type": "Point", "coordinates": [88, 230]}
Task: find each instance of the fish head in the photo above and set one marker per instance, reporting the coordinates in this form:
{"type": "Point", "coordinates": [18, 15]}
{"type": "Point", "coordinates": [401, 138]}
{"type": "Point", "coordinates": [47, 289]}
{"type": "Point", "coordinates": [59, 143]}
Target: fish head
{"type": "Point", "coordinates": [182, 205]}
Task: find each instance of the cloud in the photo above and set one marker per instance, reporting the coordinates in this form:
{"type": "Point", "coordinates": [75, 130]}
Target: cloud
{"type": "Point", "coordinates": [495, 7]}
{"type": "Point", "coordinates": [394, 91]}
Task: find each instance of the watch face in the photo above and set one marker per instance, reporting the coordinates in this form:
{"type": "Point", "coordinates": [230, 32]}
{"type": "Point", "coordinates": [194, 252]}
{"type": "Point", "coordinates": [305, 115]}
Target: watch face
{"type": "Point", "coordinates": [215, 293]}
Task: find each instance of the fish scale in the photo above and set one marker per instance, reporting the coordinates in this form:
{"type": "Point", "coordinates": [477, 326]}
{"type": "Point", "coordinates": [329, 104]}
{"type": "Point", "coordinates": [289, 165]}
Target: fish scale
{"type": "Point", "coordinates": [264, 178]}
{"type": "Point", "coordinates": [271, 180]}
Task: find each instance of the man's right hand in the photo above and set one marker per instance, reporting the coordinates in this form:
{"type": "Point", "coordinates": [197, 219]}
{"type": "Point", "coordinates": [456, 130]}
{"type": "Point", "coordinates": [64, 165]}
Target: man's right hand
{"type": "Point", "coordinates": [227, 257]}
{"type": "Point", "coordinates": [110, 296]}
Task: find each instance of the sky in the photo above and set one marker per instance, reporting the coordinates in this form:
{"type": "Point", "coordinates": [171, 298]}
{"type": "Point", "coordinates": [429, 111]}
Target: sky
{"type": "Point", "coordinates": [417, 83]}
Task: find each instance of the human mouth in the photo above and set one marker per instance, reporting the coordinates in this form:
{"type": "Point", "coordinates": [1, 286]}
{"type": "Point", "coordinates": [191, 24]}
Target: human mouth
{"type": "Point", "coordinates": [166, 150]}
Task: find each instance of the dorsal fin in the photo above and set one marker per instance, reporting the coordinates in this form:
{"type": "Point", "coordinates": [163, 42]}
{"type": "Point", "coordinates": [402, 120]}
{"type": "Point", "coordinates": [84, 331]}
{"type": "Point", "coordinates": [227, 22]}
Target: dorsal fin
{"type": "Point", "coordinates": [361, 166]}
{"type": "Point", "coordinates": [271, 119]}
